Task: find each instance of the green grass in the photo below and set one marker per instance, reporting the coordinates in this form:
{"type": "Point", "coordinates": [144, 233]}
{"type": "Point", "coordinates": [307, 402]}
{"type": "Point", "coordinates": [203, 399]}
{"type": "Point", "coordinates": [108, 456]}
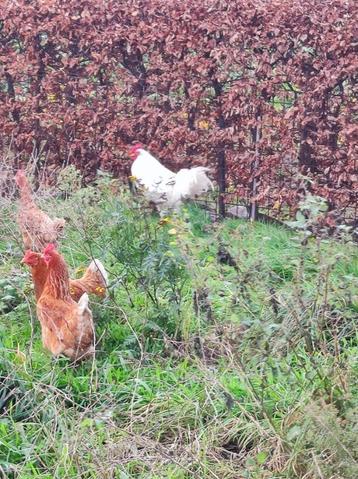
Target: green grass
{"type": "Point", "coordinates": [202, 370]}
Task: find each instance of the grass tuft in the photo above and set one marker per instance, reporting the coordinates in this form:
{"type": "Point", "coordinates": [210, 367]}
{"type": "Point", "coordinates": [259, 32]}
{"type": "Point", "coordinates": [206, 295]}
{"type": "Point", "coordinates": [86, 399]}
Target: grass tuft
{"type": "Point", "coordinates": [224, 350]}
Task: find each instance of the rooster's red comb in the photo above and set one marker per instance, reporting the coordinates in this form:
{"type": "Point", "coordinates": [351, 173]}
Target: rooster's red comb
{"type": "Point", "coordinates": [133, 149]}
{"type": "Point", "coordinates": [49, 248]}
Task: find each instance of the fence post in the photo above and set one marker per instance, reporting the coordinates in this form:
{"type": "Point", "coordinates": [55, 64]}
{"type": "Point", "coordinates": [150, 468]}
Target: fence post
{"type": "Point", "coordinates": [221, 180]}
{"type": "Point", "coordinates": [256, 135]}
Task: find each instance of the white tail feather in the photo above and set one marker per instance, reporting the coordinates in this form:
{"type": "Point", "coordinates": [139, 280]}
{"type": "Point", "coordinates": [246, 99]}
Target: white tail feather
{"type": "Point", "coordinates": [190, 183]}
{"type": "Point", "coordinates": [97, 266]}
{"type": "Point", "coordinates": [202, 182]}
{"type": "Point", "coordinates": [83, 303]}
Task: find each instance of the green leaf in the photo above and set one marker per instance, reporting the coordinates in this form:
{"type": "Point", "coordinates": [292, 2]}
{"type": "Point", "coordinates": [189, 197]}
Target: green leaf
{"type": "Point", "coordinates": [261, 457]}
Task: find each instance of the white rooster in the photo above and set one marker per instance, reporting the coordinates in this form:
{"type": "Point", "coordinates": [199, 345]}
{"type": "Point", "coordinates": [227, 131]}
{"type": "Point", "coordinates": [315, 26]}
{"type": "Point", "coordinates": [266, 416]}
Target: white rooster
{"type": "Point", "coordinates": [164, 188]}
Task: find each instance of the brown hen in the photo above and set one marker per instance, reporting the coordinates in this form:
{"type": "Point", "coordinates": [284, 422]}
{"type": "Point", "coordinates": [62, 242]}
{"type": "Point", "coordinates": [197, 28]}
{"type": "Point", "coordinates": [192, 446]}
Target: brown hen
{"type": "Point", "coordinates": [94, 280]}
{"type": "Point", "coordinates": [36, 227]}
{"type": "Point", "coordinates": [67, 326]}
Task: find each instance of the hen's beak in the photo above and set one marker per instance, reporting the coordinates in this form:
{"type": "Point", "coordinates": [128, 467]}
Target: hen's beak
{"type": "Point", "coordinates": [23, 261]}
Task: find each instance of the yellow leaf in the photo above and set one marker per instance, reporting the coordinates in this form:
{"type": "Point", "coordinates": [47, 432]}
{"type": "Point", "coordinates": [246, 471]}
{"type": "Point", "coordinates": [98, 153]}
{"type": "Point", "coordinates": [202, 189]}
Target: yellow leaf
{"type": "Point", "coordinates": [164, 221]}
{"type": "Point", "coordinates": [203, 124]}
{"type": "Point", "coordinates": [51, 97]}
{"type": "Point", "coordinates": [277, 205]}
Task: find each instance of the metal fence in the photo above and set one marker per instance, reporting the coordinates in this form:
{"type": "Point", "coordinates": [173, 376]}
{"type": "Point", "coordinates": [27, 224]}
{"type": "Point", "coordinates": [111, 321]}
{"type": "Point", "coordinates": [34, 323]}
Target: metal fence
{"type": "Point", "coordinates": [244, 200]}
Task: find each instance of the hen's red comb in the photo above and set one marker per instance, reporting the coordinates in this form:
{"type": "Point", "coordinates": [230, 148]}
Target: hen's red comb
{"type": "Point", "coordinates": [49, 248]}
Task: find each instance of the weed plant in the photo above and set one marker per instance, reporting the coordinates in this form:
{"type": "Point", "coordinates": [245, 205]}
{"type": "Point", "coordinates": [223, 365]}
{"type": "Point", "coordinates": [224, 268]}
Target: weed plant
{"type": "Point", "coordinates": [224, 350]}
